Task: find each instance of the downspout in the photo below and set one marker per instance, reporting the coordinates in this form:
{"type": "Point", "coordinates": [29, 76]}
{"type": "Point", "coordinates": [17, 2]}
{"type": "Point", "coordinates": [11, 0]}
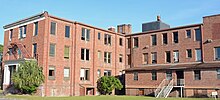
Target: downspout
{"type": "Point", "coordinates": [115, 54]}
{"type": "Point", "coordinates": [201, 44]}
{"type": "Point", "coordinates": [94, 61]}
{"type": "Point", "coordinates": [74, 57]}
{"type": "Point", "coordinates": [71, 68]}
{"type": "Point", "coordinates": [48, 39]}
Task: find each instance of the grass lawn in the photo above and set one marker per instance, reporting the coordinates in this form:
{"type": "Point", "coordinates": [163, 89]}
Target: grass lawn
{"type": "Point", "coordinates": [101, 98]}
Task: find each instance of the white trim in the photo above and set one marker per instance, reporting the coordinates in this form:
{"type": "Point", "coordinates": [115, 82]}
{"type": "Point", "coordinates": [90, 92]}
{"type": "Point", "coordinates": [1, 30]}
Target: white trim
{"type": "Point", "coordinates": [24, 24]}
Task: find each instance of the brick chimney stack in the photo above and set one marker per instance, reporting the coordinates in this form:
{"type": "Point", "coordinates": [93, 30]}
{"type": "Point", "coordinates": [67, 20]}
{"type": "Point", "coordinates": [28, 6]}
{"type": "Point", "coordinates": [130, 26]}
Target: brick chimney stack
{"type": "Point", "coordinates": [158, 17]}
{"type": "Point", "coordinates": [111, 29]}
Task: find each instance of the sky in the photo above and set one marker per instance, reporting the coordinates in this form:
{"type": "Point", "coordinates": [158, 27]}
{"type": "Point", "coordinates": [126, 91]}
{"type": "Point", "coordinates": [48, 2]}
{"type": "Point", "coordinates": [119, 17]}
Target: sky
{"type": "Point", "coordinates": [107, 13]}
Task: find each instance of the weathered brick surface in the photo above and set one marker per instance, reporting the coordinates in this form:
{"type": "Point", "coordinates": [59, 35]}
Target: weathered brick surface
{"type": "Point", "coordinates": [60, 86]}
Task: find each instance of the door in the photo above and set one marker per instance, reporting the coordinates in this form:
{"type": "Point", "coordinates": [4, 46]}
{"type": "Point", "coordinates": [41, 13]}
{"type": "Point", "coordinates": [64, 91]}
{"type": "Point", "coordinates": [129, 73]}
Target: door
{"type": "Point", "coordinates": [180, 78]}
{"type": "Point", "coordinates": [12, 69]}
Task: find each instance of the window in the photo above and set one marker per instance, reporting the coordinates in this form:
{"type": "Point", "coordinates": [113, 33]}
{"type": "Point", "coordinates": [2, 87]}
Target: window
{"type": "Point", "coordinates": [120, 42]}
{"type": "Point", "coordinates": [35, 50]}
{"type": "Point", "coordinates": [217, 53]}
{"type": "Point", "coordinates": [10, 52]}
{"type": "Point", "coordinates": [145, 58]}
{"type": "Point", "coordinates": [22, 31]}
{"type": "Point", "coordinates": [35, 28]}
{"type": "Point", "coordinates": [51, 73]}
{"type": "Point", "coordinates": [135, 42]}
{"type": "Point", "coordinates": [99, 36]}
{"type": "Point", "coordinates": [120, 58]}
{"type": "Point", "coordinates": [67, 31]}
{"type": "Point", "coordinates": [52, 50]}
{"type": "Point", "coordinates": [84, 74]}
{"type": "Point", "coordinates": [188, 33]}
{"type": "Point", "coordinates": [98, 73]}
{"type": "Point", "coordinates": [168, 57]}
{"type": "Point", "coordinates": [53, 28]}
{"type": "Point", "coordinates": [107, 57]}
{"type": "Point", "coordinates": [120, 29]}
{"type": "Point", "coordinates": [218, 73]}
{"type": "Point", "coordinates": [189, 53]}
{"type": "Point", "coordinates": [153, 40]}
{"type": "Point", "coordinates": [129, 59]}
{"type": "Point", "coordinates": [197, 74]}
{"type": "Point", "coordinates": [99, 54]}
{"type": "Point", "coordinates": [66, 52]}
{"type": "Point", "coordinates": [107, 73]}
{"type": "Point", "coordinates": [85, 34]}
{"type": "Point", "coordinates": [66, 72]}
{"type": "Point", "coordinates": [84, 54]}
{"type": "Point", "coordinates": [10, 34]}
{"type": "Point", "coordinates": [198, 55]}
{"type": "Point", "coordinates": [169, 75]}
{"type": "Point", "coordinates": [154, 57]}
{"type": "Point", "coordinates": [198, 34]}
{"type": "Point", "coordinates": [165, 38]}
{"type": "Point", "coordinates": [136, 76]}
{"type": "Point", "coordinates": [129, 42]}
{"type": "Point", "coordinates": [154, 75]}
{"type": "Point", "coordinates": [175, 37]}
{"type": "Point", "coordinates": [107, 40]}
{"type": "Point", "coordinates": [176, 56]}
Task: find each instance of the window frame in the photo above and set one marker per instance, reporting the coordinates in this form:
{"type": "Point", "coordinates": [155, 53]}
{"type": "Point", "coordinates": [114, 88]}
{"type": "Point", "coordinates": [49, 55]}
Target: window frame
{"type": "Point", "coordinates": [51, 28]}
{"type": "Point", "coordinates": [165, 40]}
{"type": "Point", "coordinates": [176, 38]}
{"type": "Point", "coordinates": [196, 34]}
{"type": "Point", "coordinates": [85, 54]}
{"type": "Point", "coordinates": [120, 41]}
{"type": "Point", "coordinates": [136, 42]}
{"type": "Point", "coordinates": [154, 40]}
{"type": "Point", "coordinates": [196, 54]}
{"type": "Point", "coordinates": [67, 31]}
{"type": "Point", "coordinates": [176, 52]}
{"type": "Point", "coordinates": [216, 53]}
{"type": "Point", "coordinates": [189, 53]}
{"type": "Point", "coordinates": [197, 75]}
{"type": "Point", "coordinates": [53, 77]}
{"type": "Point", "coordinates": [36, 27]}
{"type": "Point", "coordinates": [50, 53]}
{"type": "Point", "coordinates": [188, 33]}
{"type": "Point", "coordinates": [66, 77]}
{"type": "Point", "coordinates": [135, 76]}
{"type": "Point", "coordinates": [65, 55]}
{"type": "Point", "coordinates": [154, 55]}
{"type": "Point", "coordinates": [154, 75]}
{"type": "Point", "coordinates": [107, 57]}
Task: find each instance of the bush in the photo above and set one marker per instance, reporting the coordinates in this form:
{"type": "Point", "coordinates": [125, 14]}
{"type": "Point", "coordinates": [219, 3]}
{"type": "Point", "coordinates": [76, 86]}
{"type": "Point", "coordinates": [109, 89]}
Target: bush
{"type": "Point", "coordinates": [106, 84]}
{"type": "Point", "coordinates": [28, 77]}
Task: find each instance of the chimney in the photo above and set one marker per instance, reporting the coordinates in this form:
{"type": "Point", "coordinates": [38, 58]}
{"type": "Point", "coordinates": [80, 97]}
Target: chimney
{"type": "Point", "coordinates": [111, 29]}
{"type": "Point", "coordinates": [158, 17]}
{"type": "Point", "coordinates": [124, 29]}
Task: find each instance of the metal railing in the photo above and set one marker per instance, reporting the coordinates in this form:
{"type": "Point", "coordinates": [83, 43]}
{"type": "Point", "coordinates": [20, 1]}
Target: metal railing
{"type": "Point", "coordinates": [168, 89]}
{"type": "Point", "coordinates": [164, 88]}
{"type": "Point", "coordinates": [159, 88]}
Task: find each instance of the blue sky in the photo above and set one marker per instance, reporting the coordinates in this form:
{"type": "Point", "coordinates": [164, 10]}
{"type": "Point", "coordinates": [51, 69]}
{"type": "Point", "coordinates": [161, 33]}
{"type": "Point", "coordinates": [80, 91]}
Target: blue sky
{"type": "Point", "coordinates": [106, 13]}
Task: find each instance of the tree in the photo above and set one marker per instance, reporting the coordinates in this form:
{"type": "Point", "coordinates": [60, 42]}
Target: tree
{"type": "Point", "coordinates": [106, 84]}
{"type": "Point", "coordinates": [1, 48]}
{"type": "Point", "coordinates": [28, 77]}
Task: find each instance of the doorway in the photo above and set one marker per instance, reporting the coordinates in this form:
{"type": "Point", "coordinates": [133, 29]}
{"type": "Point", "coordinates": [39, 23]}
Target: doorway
{"type": "Point", "coordinates": [12, 69]}
{"type": "Point", "coordinates": [180, 78]}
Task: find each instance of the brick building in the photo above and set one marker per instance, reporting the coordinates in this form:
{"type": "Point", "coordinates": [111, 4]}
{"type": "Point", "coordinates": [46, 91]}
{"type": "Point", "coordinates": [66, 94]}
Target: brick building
{"type": "Point", "coordinates": [160, 61]}
{"type": "Point", "coordinates": [73, 55]}
{"type": "Point", "coordinates": [179, 61]}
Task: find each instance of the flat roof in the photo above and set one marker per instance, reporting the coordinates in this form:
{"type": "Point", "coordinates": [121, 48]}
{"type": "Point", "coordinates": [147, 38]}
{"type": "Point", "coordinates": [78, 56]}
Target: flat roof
{"type": "Point", "coordinates": [168, 29]}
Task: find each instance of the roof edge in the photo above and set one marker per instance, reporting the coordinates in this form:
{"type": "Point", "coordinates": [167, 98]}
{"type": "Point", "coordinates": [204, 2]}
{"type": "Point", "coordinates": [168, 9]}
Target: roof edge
{"type": "Point", "coordinates": [37, 16]}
